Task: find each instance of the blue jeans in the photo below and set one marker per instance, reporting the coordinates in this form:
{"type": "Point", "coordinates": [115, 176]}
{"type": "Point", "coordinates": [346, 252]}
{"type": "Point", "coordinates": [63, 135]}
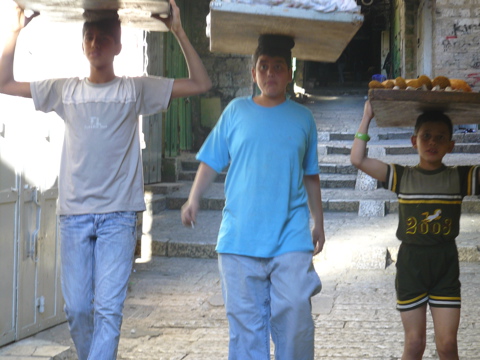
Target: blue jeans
{"type": "Point", "coordinates": [97, 252]}
{"type": "Point", "coordinates": [269, 297]}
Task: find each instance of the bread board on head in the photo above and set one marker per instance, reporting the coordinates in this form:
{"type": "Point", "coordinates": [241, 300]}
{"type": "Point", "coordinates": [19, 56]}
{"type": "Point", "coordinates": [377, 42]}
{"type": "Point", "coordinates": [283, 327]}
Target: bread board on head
{"type": "Point", "coordinates": [132, 13]}
{"type": "Point", "coordinates": [400, 108]}
{"type": "Point", "coordinates": [235, 27]}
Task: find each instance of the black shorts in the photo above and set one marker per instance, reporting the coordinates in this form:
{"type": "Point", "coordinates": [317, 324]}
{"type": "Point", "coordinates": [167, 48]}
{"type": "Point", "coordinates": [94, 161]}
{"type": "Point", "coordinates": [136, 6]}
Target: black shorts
{"type": "Point", "coordinates": [427, 274]}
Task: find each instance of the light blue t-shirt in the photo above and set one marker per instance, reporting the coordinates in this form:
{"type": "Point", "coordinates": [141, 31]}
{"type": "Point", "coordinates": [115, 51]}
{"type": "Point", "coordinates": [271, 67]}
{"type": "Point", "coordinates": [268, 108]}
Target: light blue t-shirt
{"type": "Point", "coordinates": [269, 151]}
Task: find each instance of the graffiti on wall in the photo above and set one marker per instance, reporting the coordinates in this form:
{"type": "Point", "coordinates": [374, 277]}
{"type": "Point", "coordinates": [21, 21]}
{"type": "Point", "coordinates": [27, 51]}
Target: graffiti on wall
{"type": "Point", "coordinates": [474, 79]}
{"type": "Point", "coordinates": [462, 44]}
{"type": "Point", "coordinates": [459, 44]}
{"type": "Point", "coordinates": [462, 38]}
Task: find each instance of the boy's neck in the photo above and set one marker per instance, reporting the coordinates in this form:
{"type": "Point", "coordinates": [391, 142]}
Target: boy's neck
{"type": "Point", "coordinates": [430, 166]}
{"type": "Point", "coordinates": [101, 77]}
{"type": "Point", "coordinates": [266, 101]}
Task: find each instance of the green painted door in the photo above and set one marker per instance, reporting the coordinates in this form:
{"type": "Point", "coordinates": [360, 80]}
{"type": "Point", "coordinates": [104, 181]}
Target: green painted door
{"type": "Point", "coordinates": [178, 122]}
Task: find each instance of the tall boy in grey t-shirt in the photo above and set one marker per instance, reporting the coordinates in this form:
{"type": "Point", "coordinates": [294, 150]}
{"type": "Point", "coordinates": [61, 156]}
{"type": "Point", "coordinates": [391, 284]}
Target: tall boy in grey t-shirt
{"type": "Point", "coordinates": [101, 181]}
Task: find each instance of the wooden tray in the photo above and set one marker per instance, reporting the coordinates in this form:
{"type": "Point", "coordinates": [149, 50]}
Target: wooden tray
{"type": "Point", "coordinates": [393, 108]}
{"type": "Point", "coordinates": [235, 27]}
{"type": "Point", "coordinates": [134, 13]}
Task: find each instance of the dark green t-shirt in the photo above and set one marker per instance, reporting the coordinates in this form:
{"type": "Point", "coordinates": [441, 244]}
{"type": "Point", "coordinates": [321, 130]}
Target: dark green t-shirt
{"type": "Point", "coordinates": [430, 202]}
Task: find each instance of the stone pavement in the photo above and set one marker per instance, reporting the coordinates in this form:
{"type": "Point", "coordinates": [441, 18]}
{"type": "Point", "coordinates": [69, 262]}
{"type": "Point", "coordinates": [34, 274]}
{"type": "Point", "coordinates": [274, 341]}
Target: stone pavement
{"type": "Point", "coordinates": [174, 311]}
{"type": "Point", "coordinates": [174, 308]}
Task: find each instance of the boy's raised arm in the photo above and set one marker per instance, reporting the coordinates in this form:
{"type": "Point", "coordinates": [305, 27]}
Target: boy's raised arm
{"type": "Point", "coordinates": [8, 85]}
{"type": "Point", "coordinates": [358, 156]}
{"type": "Point", "coordinates": [198, 81]}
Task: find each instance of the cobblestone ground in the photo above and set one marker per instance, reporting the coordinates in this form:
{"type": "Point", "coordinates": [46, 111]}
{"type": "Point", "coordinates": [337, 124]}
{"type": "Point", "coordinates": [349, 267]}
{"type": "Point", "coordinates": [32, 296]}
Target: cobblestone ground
{"type": "Point", "coordinates": [174, 311]}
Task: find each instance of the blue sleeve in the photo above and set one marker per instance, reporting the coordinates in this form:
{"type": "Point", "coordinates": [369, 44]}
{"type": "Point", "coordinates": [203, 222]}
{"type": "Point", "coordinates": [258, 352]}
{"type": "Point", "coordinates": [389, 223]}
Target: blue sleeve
{"type": "Point", "coordinates": [215, 150]}
{"type": "Point", "coordinates": [310, 162]}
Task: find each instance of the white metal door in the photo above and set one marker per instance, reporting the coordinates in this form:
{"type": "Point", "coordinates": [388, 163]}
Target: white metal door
{"type": "Point", "coordinates": [8, 253]}
{"type": "Point", "coordinates": [29, 242]}
{"type": "Point", "coordinates": [40, 303]}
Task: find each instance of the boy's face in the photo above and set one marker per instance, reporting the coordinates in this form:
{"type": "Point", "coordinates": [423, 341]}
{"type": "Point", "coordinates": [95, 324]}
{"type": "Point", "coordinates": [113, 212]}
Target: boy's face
{"type": "Point", "coordinates": [433, 142]}
{"type": "Point", "coordinates": [100, 48]}
{"type": "Point", "coordinates": [272, 76]}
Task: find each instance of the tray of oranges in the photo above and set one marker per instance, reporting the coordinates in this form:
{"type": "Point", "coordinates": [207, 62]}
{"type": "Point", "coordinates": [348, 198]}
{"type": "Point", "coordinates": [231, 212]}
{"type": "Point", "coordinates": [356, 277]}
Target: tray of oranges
{"type": "Point", "coordinates": [398, 102]}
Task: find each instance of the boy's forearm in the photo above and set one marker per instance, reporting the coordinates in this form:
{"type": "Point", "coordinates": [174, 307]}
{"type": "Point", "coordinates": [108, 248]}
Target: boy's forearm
{"type": "Point", "coordinates": [205, 176]}
{"type": "Point", "coordinates": [359, 146]}
{"type": "Point", "coordinates": [6, 60]}
{"type": "Point", "coordinates": [312, 186]}
{"type": "Point", "coordinates": [8, 85]}
{"type": "Point", "coordinates": [358, 155]}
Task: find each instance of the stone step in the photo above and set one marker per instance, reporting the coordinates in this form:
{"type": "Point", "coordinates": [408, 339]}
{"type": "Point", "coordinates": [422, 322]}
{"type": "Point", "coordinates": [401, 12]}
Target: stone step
{"type": "Point", "coordinates": [155, 199]}
{"type": "Point", "coordinates": [459, 137]}
{"type": "Point", "coordinates": [32, 348]}
{"type": "Point", "coordinates": [381, 148]}
{"type": "Point", "coordinates": [338, 181]}
{"type": "Point", "coordinates": [333, 175]}
{"type": "Point", "coordinates": [331, 168]}
{"type": "Point", "coordinates": [189, 175]}
{"type": "Point", "coordinates": [333, 200]}
{"type": "Point", "coordinates": [327, 180]}
{"type": "Point", "coordinates": [191, 166]}
{"type": "Point", "coordinates": [360, 243]}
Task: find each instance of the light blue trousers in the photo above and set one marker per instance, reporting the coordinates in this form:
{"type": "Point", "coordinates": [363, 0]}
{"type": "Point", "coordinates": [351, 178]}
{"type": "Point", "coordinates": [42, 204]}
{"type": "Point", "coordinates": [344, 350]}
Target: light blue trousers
{"type": "Point", "coordinates": [269, 297]}
{"type": "Point", "coordinates": [97, 252]}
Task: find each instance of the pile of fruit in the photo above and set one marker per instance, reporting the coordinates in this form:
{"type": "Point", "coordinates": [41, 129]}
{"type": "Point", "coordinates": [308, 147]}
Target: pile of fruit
{"type": "Point", "coordinates": [440, 83]}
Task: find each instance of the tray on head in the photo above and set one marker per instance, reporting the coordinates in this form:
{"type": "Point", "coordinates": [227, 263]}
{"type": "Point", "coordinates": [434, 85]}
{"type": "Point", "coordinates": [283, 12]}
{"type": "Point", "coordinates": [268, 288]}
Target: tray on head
{"type": "Point", "coordinates": [132, 13]}
{"type": "Point", "coordinates": [235, 28]}
{"type": "Point", "coordinates": [394, 108]}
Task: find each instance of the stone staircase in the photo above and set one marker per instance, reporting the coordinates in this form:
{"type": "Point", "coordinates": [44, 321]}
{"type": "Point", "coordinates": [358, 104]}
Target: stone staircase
{"type": "Point", "coordinates": [349, 196]}
{"type": "Point", "coordinates": [345, 190]}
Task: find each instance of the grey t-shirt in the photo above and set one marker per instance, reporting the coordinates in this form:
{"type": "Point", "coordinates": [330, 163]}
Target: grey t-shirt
{"type": "Point", "coordinates": [101, 169]}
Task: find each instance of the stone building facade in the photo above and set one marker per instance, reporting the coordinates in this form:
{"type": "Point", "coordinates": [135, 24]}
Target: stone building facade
{"type": "Point", "coordinates": [431, 37]}
{"type": "Point", "coordinates": [437, 37]}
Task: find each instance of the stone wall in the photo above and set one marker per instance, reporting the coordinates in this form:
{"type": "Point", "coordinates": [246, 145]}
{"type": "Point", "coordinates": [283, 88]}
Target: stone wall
{"type": "Point", "coordinates": [457, 40]}
{"type": "Point", "coordinates": [230, 74]}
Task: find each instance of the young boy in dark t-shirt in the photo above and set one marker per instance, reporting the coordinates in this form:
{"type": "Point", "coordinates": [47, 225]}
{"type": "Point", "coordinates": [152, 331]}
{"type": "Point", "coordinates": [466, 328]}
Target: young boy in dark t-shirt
{"type": "Point", "coordinates": [430, 197]}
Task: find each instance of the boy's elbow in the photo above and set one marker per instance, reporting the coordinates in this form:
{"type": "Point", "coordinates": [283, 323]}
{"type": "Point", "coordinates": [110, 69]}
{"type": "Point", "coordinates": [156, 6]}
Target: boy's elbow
{"type": "Point", "coordinates": [3, 87]}
{"type": "Point", "coordinates": [207, 85]}
{"type": "Point", "coordinates": [355, 161]}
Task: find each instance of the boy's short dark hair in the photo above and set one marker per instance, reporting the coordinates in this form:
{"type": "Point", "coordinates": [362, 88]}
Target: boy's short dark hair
{"type": "Point", "coordinates": [106, 21]}
{"type": "Point", "coordinates": [433, 116]}
{"type": "Point", "coordinates": [275, 45]}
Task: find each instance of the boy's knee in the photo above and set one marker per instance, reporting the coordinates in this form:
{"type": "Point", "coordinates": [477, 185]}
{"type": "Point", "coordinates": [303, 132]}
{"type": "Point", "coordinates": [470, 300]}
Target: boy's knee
{"type": "Point", "coordinates": [79, 312]}
{"type": "Point", "coordinates": [447, 347]}
{"type": "Point", "coordinates": [415, 344]}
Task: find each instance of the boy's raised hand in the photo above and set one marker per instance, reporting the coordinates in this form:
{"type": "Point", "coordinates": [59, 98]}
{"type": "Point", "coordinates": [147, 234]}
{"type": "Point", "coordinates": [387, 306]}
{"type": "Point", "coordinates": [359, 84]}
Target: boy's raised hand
{"type": "Point", "coordinates": [173, 22]}
{"type": "Point", "coordinates": [20, 20]}
{"type": "Point", "coordinates": [368, 111]}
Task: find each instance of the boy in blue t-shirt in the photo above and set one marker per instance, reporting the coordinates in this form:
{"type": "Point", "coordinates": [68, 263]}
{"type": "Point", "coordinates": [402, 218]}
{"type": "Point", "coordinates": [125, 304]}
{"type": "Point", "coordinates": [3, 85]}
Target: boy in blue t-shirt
{"type": "Point", "coordinates": [265, 245]}
{"type": "Point", "coordinates": [430, 198]}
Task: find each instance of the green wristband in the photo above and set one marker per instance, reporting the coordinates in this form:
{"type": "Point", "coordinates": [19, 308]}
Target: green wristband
{"type": "Point", "coordinates": [364, 137]}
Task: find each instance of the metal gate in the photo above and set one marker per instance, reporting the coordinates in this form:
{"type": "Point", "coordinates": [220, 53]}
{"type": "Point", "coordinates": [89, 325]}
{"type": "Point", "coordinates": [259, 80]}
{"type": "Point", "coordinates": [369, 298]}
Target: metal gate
{"type": "Point", "coordinates": [29, 243]}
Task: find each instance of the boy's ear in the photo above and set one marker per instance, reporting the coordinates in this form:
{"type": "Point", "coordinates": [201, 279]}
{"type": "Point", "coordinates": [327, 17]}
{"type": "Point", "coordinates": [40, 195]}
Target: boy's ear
{"type": "Point", "coordinates": [452, 145]}
{"type": "Point", "coordinates": [413, 139]}
{"type": "Point", "coordinates": [119, 49]}
{"type": "Point", "coordinates": [254, 75]}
